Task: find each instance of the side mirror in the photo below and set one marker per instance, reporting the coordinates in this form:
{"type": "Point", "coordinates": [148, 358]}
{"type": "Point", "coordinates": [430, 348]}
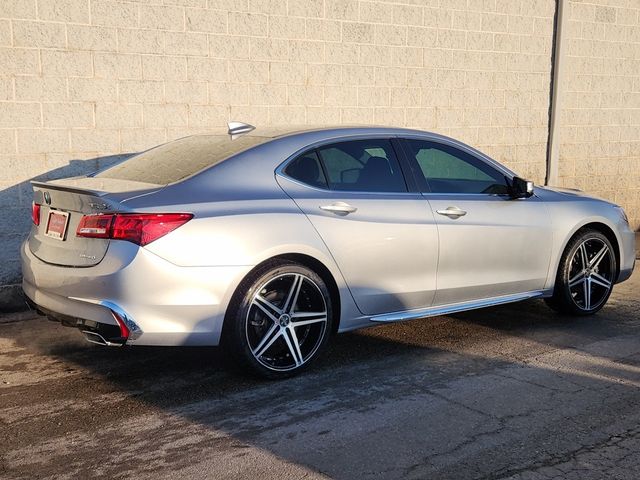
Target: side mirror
{"type": "Point", "coordinates": [520, 188]}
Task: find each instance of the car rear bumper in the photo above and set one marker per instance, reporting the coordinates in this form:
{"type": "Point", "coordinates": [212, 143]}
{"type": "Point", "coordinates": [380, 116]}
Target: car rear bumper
{"type": "Point", "coordinates": [94, 332]}
{"type": "Point", "coordinates": [161, 303]}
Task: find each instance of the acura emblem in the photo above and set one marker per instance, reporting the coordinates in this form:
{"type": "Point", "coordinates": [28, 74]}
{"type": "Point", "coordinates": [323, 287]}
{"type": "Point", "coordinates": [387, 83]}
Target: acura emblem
{"type": "Point", "coordinates": [47, 198]}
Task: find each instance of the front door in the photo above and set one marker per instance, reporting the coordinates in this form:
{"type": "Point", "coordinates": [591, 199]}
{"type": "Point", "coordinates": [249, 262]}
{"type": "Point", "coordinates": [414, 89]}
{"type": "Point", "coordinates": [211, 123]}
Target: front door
{"type": "Point", "coordinates": [382, 237]}
{"type": "Point", "coordinates": [490, 244]}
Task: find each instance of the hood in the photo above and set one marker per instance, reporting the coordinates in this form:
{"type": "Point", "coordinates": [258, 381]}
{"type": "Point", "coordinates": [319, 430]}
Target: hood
{"type": "Point", "coordinates": [573, 192]}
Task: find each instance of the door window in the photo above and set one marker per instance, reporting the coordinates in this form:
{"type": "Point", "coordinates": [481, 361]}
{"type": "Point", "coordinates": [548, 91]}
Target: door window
{"type": "Point", "coordinates": [446, 169]}
{"type": "Point", "coordinates": [362, 166]}
{"type": "Point", "coordinates": [356, 166]}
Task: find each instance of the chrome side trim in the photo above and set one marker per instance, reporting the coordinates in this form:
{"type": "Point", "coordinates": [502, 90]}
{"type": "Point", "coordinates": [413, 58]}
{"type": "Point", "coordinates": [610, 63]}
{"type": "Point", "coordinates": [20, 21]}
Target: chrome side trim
{"type": "Point", "coordinates": [134, 330]}
{"type": "Point", "coordinates": [456, 307]}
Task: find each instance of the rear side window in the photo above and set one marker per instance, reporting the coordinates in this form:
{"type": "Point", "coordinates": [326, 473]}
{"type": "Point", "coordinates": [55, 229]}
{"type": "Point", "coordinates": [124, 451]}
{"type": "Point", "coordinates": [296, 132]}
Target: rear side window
{"type": "Point", "coordinates": [447, 169]}
{"type": "Point", "coordinates": [356, 166]}
{"type": "Point", "coordinates": [362, 166]}
{"type": "Point", "coordinates": [176, 160]}
{"type": "Point", "coordinates": [307, 169]}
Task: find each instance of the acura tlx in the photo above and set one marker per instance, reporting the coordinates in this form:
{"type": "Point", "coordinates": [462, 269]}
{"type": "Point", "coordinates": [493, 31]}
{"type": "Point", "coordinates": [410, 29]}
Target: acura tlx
{"type": "Point", "coordinates": [269, 242]}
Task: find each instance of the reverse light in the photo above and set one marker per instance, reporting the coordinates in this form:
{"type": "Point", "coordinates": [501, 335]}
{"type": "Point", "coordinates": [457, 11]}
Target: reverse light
{"type": "Point", "coordinates": [138, 228]}
{"type": "Point", "coordinates": [35, 213]}
{"type": "Point", "coordinates": [95, 226]}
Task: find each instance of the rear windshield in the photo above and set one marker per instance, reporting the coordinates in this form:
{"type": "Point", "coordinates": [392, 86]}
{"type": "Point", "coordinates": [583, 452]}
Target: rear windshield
{"type": "Point", "coordinates": [176, 160]}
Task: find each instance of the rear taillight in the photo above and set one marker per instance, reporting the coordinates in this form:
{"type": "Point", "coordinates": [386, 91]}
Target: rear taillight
{"type": "Point", "coordinates": [139, 228]}
{"type": "Point", "coordinates": [35, 213]}
{"type": "Point", "coordinates": [144, 228]}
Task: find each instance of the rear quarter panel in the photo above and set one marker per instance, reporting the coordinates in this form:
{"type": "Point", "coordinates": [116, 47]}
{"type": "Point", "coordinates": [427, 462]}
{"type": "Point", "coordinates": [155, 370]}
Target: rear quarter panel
{"type": "Point", "coordinates": [228, 233]}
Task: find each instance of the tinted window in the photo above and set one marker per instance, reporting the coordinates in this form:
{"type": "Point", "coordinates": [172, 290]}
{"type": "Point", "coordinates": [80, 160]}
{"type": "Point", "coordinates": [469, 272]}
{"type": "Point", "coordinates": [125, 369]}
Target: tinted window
{"type": "Point", "coordinates": [176, 160]}
{"type": "Point", "coordinates": [306, 169]}
{"type": "Point", "coordinates": [447, 169]}
{"type": "Point", "coordinates": [362, 166]}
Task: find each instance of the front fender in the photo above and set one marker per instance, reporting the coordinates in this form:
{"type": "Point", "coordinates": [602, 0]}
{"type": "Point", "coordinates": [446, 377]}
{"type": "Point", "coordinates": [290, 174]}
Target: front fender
{"type": "Point", "coordinates": [565, 228]}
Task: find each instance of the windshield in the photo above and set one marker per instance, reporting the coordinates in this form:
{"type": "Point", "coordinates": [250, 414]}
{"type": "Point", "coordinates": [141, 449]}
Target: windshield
{"type": "Point", "coordinates": [179, 159]}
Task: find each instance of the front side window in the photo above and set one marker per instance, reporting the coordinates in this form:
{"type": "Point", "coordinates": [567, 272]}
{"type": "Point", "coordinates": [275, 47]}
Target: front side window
{"type": "Point", "coordinates": [362, 166]}
{"type": "Point", "coordinates": [447, 169]}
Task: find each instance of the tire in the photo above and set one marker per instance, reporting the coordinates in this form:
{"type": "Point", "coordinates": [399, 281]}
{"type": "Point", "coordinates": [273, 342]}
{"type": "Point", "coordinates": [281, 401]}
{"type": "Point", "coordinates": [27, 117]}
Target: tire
{"type": "Point", "coordinates": [583, 287]}
{"type": "Point", "coordinates": [279, 320]}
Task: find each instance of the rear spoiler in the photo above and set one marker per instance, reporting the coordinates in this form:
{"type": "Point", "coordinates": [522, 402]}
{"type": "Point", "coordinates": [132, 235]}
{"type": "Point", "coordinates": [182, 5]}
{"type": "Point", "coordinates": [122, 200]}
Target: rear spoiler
{"type": "Point", "coordinates": [115, 190]}
{"type": "Point", "coordinates": [82, 191]}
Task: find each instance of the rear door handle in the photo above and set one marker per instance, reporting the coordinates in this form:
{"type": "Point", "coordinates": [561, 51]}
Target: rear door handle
{"type": "Point", "coordinates": [452, 212]}
{"type": "Point", "coordinates": [339, 208]}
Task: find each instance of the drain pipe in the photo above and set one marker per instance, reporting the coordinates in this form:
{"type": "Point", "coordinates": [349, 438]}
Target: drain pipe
{"type": "Point", "coordinates": [555, 95]}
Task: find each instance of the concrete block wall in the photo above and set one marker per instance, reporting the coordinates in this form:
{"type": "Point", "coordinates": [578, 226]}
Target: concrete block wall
{"type": "Point", "coordinates": [84, 81]}
{"type": "Point", "coordinates": [600, 134]}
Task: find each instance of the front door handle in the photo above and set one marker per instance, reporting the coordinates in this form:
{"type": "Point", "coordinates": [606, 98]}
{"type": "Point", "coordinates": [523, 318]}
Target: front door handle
{"type": "Point", "coordinates": [452, 212]}
{"type": "Point", "coordinates": [339, 208]}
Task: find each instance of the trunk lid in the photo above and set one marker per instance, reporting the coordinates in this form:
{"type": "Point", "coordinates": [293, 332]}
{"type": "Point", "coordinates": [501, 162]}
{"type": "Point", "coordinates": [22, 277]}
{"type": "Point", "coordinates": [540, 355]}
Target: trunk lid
{"type": "Point", "coordinates": [63, 203]}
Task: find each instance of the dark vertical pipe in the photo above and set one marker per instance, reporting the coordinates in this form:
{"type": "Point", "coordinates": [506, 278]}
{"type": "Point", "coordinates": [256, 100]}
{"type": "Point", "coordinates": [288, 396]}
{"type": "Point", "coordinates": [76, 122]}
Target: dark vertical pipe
{"type": "Point", "coordinates": [557, 54]}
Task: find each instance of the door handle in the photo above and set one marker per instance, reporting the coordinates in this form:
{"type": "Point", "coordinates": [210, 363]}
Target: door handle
{"type": "Point", "coordinates": [452, 212]}
{"type": "Point", "coordinates": [339, 208]}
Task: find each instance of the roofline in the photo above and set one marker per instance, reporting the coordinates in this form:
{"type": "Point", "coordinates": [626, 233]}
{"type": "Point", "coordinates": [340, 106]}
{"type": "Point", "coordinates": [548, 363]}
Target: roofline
{"type": "Point", "coordinates": [285, 131]}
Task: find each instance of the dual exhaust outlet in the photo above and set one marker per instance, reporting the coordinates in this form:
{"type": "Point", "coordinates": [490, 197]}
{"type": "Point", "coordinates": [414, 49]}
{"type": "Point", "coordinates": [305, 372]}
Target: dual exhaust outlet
{"type": "Point", "coordinates": [98, 339]}
{"type": "Point", "coordinates": [128, 329]}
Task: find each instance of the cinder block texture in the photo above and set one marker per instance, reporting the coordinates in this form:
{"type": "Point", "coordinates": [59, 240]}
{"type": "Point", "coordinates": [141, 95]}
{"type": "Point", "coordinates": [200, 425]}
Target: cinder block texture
{"type": "Point", "coordinates": [83, 79]}
{"type": "Point", "coordinates": [600, 135]}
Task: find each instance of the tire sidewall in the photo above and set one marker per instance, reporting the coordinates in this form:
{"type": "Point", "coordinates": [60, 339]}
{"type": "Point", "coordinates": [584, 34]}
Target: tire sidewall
{"type": "Point", "coordinates": [563, 296]}
{"type": "Point", "coordinates": [240, 309]}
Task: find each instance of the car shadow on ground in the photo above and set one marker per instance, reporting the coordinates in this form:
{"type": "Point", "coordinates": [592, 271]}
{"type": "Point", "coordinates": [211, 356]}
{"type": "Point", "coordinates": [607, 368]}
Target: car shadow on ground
{"type": "Point", "coordinates": [359, 387]}
{"type": "Point", "coordinates": [135, 367]}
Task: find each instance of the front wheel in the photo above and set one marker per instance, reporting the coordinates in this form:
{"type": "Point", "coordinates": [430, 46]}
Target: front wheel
{"type": "Point", "coordinates": [585, 276]}
{"type": "Point", "coordinates": [280, 320]}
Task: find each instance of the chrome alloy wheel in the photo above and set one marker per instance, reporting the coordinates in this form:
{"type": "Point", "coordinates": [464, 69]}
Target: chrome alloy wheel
{"type": "Point", "coordinates": [590, 276]}
{"type": "Point", "coordinates": [286, 322]}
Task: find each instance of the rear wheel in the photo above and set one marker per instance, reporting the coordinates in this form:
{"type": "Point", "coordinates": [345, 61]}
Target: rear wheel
{"type": "Point", "coordinates": [280, 320]}
{"type": "Point", "coordinates": [585, 276]}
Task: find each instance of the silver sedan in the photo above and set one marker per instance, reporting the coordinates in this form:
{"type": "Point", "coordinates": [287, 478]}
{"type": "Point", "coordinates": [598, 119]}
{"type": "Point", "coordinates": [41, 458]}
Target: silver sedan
{"type": "Point", "coordinates": [269, 242]}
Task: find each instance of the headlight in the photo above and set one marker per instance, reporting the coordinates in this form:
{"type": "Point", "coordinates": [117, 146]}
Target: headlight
{"type": "Point", "coordinates": [623, 214]}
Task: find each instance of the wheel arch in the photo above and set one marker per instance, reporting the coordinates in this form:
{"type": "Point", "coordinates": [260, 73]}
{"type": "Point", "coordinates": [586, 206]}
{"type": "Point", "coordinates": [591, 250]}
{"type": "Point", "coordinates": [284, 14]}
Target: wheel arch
{"type": "Point", "coordinates": [304, 259]}
{"type": "Point", "coordinates": [601, 227]}
{"type": "Point", "coordinates": [611, 236]}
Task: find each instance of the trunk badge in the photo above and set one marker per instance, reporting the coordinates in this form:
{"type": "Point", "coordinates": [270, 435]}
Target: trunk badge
{"type": "Point", "coordinates": [47, 198]}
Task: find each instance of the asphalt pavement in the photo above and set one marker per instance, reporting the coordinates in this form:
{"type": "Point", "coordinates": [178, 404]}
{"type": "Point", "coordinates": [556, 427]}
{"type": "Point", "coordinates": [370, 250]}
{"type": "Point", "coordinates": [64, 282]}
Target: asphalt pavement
{"type": "Point", "coordinates": [514, 392]}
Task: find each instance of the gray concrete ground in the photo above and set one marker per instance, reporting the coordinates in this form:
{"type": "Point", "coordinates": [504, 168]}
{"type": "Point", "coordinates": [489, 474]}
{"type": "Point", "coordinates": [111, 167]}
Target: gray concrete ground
{"type": "Point", "coordinates": [512, 392]}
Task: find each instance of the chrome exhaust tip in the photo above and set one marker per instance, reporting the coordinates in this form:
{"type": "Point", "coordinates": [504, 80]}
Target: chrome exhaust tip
{"type": "Point", "coordinates": [98, 339]}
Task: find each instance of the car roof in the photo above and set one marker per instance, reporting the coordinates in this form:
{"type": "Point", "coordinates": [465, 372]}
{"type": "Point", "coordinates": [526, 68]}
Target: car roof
{"type": "Point", "coordinates": [338, 130]}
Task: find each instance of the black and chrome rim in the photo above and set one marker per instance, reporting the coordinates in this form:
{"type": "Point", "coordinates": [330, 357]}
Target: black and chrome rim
{"type": "Point", "coordinates": [286, 322]}
{"type": "Point", "coordinates": [591, 273]}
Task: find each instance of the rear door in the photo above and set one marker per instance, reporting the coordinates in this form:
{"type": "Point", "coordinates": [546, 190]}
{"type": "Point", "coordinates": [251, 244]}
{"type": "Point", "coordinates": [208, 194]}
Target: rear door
{"type": "Point", "coordinates": [490, 244]}
{"type": "Point", "coordinates": [382, 236]}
